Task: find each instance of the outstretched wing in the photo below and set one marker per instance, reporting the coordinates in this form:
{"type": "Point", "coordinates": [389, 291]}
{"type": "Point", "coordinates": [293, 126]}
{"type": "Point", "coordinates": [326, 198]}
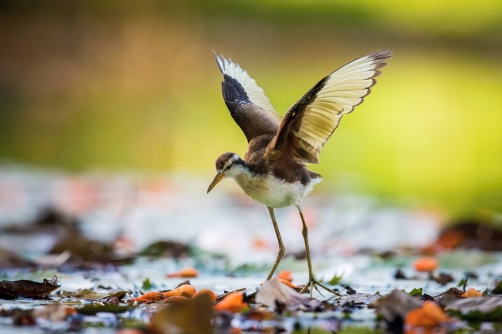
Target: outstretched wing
{"type": "Point", "coordinates": [309, 123]}
{"type": "Point", "coordinates": [248, 105]}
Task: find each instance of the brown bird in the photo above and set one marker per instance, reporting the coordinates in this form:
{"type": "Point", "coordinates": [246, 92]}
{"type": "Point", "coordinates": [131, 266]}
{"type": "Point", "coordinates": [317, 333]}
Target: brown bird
{"type": "Point", "coordinates": [273, 170]}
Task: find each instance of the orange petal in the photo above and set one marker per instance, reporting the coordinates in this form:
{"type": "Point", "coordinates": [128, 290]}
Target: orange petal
{"type": "Point", "coordinates": [185, 272]}
{"type": "Point", "coordinates": [429, 315]}
{"type": "Point", "coordinates": [472, 293]}
{"type": "Point", "coordinates": [148, 297]}
{"type": "Point", "coordinates": [211, 294]}
{"type": "Point", "coordinates": [176, 299]}
{"type": "Point", "coordinates": [185, 291]}
{"type": "Point", "coordinates": [426, 264]}
{"type": "Point", "coordinates": [233, 302]}
{"type": "Point", "coordinates": [285, 275]}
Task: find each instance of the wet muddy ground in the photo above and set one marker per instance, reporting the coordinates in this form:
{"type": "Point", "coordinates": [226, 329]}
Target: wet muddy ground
{"type": "Point", "coordinates": [111, 239]}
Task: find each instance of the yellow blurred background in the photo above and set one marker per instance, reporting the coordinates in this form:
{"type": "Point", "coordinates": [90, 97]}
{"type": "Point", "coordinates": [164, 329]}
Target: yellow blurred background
{"type": "Point", "coordinates": [133, 85]}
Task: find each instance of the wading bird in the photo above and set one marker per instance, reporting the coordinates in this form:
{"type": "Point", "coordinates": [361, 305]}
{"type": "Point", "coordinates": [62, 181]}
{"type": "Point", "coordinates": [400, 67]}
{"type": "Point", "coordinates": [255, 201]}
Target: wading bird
{"type": "Point", "coordinates": [273, 170]}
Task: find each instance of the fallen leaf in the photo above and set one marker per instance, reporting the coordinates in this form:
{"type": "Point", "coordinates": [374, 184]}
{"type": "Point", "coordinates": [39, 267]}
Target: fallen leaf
{"type": "Point", "coordinates": [416, 292]}
{"type": "Point", "coordinates": [335, 280]}
{"type": "Point", "coordinates": [193, 316]}
{"type": "Point", "coordinates": [210, 293]}
{"type": "Point", "coordinates": [147, 285]}
{"type": "Point", "coordinates": [497, 290]}
{"type": "Point", "coordinates": [185, 291]}
{"type": "Point", "coordinates": [427, 264]}
{"type": "Point", "coordinates": [176, 299]}
{"type": "Point", "coordinates": [359, 298]}
{"type": "Point", "coordinates": [185, 272]}
{"type": "Point", "coordinates": [285, 275]}
{"type": "Point", "coordinates": [442, 278]}
{"type": "Point", "coordinates": [429, 315]}
{"type": "Point", "coordinates": [395, 304]}
{"type": "Point", "coordinates": [170, 249]}
{"type": "Point", "coordinates": [26, 288]}
{"type": "Point", "coordinates": [85, 294]}
{"type": "Point", "coordinates": [274, 293]}
{"type": "Point", "coordinates": [477, 308]}
{"type": "Point", "coordinates": [148, 297]}
{"type": "Point", "coordinates": [472, 293]}
{"type": "Point", "coordinates": [288, 283]}
{"type": "Point", "coordinates": [93, 309]}
{"type": "Point", "coordinates": [448, 297]}
{"type": "Point", "coordinates": [221, 297]}
{"type": "Point", "coordinates": [233, 303]}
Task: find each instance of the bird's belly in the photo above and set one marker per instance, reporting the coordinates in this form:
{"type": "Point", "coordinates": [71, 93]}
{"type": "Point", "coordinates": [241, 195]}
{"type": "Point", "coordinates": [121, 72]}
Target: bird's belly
{"type": "Point", "coordinates": [273, 192]}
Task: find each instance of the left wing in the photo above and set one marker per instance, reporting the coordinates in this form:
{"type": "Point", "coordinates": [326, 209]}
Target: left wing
{"type": "Point", "coordinates": [246, 101]}
{"type": "Point", "coordinates": [309, 123]}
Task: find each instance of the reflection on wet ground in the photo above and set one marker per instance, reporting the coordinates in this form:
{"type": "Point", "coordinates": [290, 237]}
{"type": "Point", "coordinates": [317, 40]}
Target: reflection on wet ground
{"type": "Point", "coordinates": [115, 232]}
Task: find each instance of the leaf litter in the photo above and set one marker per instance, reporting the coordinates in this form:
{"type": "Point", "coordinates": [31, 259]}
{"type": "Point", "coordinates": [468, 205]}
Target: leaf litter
{"type": "Point", "coordinates": [394, 290]}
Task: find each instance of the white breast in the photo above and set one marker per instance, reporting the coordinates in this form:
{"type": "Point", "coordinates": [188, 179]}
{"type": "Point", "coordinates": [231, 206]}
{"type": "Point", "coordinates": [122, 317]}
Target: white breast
{"type": "Point", "coordinates": [274, 192]}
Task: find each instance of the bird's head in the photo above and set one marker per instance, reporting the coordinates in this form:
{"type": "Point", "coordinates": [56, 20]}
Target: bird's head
{"type": "Point", "coordinates": [227, 164]}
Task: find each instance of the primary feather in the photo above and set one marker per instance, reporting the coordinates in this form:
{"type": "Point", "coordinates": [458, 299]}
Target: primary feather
{"type": "Point", "coordinates": [310, 122]}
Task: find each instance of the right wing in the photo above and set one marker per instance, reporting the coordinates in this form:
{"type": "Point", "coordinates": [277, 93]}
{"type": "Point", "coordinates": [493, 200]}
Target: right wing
{"type": "Point", "coordinates": [247, 103]}
{"type": "Point", "coordinates": [309, 123]}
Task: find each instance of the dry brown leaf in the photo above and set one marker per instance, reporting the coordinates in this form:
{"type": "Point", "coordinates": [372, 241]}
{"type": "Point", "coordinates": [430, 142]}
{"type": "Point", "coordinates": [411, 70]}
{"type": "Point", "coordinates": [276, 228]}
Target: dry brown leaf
{"type": "Point", "coordinates": [274, 292]}
{"type": "Point", "coordinates": [26, 288]}
{"type": "Point", "coordinates": [395, 304]}
{"type": "Point", "coordinates": [481, 304]}
{"type": "Point", "coordinates": [193, 316]}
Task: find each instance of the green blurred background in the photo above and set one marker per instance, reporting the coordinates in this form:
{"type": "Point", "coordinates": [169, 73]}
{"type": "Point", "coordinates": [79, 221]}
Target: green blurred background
{"type": "Point", "coordinates": [121, 85]}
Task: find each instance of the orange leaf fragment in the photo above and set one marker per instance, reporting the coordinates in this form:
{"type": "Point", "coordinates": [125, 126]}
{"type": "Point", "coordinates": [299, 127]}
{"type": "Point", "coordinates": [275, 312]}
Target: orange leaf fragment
{"type": "Point", "coordinates": [185, 291]}
{"type": "Point", "coordinates": [185, 272]}
{"type": "Point", "coordinates": [288, 283]}
{"type": "Point", "coordinates": [472, 293]}
{"type": "Point", "coordinates": [285, 275]}
{"type": "Point", "coordinates": [233, 302]}
{"type": "Point", "coordinates": [210, 293]}
{"type": "Point", "coordinates": [148, 297]}
{"type": "Point", "coordinates": [426, 264]}
{"type": "Point", "coordinates": [429, 315]}
{"type": "Point", "coordinates": [176, 299]}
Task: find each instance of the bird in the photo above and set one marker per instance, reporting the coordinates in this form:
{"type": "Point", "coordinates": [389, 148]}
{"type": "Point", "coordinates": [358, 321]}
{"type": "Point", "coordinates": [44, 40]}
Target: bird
{"type": "Point", "coordinates": [274, 171]}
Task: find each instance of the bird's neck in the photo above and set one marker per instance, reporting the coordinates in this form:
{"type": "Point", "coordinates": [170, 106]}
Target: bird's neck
{"type": "Point", "coordinates": [241, 169]}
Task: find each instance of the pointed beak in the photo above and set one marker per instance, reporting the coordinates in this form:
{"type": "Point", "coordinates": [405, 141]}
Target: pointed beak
{"type": "Point", "coordinates": [219, 176]}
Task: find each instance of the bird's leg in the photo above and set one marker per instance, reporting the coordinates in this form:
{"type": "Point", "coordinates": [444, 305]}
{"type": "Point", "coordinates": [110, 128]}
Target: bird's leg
{"type": "Point", "coordinates": [280, 254]}
{"type": "Point", "coordinates": [312, 281]}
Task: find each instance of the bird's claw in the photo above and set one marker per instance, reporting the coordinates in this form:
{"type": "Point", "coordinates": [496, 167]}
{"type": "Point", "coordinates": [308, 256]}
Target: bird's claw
{"type": "Point", "coordinates": [313, 284]}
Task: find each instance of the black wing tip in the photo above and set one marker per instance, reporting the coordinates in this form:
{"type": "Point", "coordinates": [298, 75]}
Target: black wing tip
{"type": "Point", "coordinates": [233, 91]}
{"type": "Point", "coordinates": [382, 54]}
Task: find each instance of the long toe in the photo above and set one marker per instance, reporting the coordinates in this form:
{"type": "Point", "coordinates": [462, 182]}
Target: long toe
{"type": "Point", "coordinates": [314, 284]}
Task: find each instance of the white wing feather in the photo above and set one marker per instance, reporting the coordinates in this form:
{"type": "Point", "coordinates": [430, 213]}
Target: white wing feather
{"type": "Point", "coordinates": [343, 89]}
{"type": "Point", "coordinates": [255, 94]}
